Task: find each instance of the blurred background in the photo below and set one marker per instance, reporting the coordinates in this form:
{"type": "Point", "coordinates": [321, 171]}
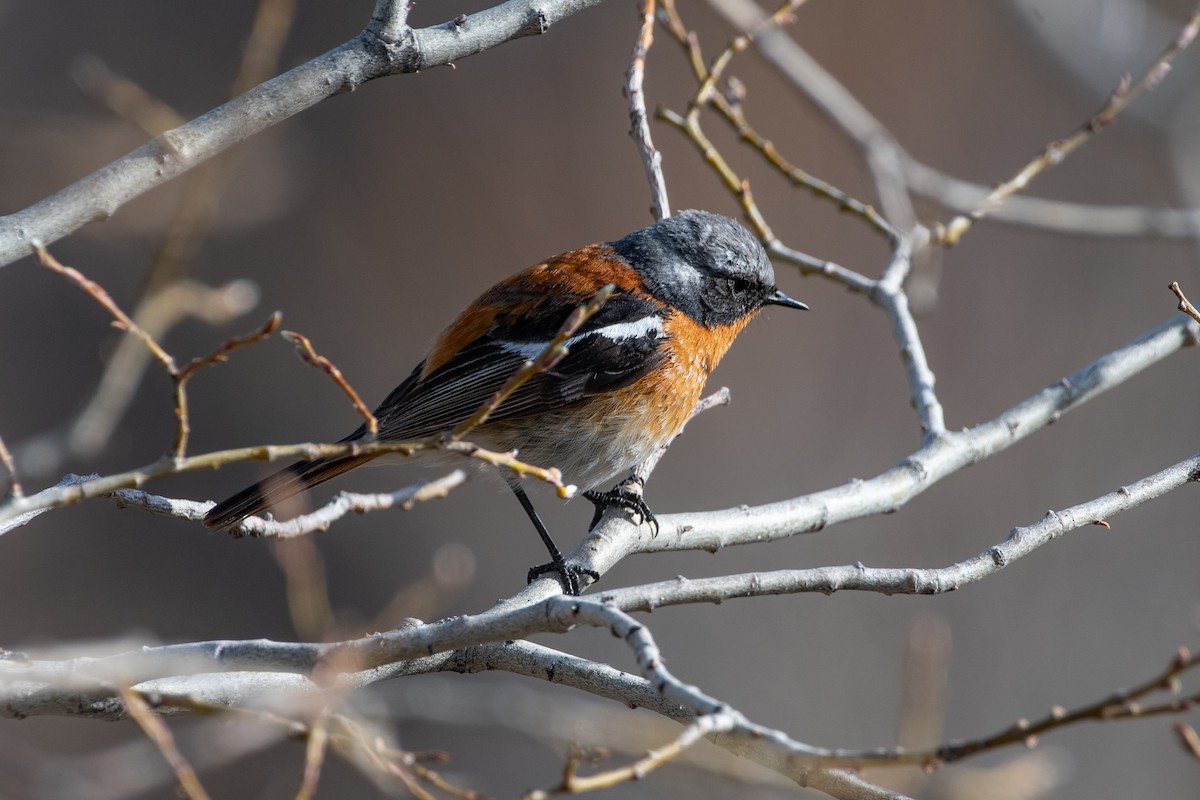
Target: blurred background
{"type": "Point", "coordinates": [372, 218]}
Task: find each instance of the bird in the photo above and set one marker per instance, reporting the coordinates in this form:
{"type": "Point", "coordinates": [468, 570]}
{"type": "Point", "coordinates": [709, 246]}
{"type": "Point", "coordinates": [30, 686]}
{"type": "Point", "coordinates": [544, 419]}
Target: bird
{"type": "Point", "coordinates": [683, 288]}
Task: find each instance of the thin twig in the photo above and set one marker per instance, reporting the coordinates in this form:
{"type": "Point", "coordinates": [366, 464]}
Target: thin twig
{"type": "Point", "coordinates": [314, 755]}
{"type": "Point", "coordinates": [696, 731]}
{"type": "Point", "coordinates": [14, 485]}
{"type": "Point", "coordinates": [179, 376]}
{"type": "Point", "coordinates": [730, 107]}
{"type": "Point", "coordinates": [884, 156]}
{"type": "Point", "coordinates": [157, 731]}
{"type": "Point", "coordinates": [740, 189]}
{"type": "Point", "coordinates": [1057, 216]}
{"type": "Point", "coordinates": [387, 46]}
{"type": "Point", "coordinates": [1055, 152]}
{"type": "Point", "coordinates": [221, 354]}
{"type": "Point", "coordinates": [123, 97]}
{"type": "Point", "coordinates": [1184, 304]}
{"type": "Point", "coordinates": [19, 511]}
{"type": "Point", "coordinates": [97, 292]}
{"type": "Point", "coordinates": [551, 354]}
{"type": "Point", "coordinates": [1188, 738]}
{"type": "Point", "coordinates": [183, 426]}
{"type": "Point", "coordinates": [309, 356]}
{"type": "Point", "coordinates": [642, 471]}
{"type": "Point", "coordinates": [1122, 705]}
{"type": "Point", "coordinates": [639, 124]}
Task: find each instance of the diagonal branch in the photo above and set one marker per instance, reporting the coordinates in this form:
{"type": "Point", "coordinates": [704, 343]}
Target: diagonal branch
{"type": "Point", "coordinates": [387, 46]}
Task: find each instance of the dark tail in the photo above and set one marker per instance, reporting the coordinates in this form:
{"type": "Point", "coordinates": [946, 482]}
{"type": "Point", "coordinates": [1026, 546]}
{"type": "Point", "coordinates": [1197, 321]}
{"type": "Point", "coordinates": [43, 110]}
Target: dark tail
{"type": "Point", "coordinates": [299, 477]}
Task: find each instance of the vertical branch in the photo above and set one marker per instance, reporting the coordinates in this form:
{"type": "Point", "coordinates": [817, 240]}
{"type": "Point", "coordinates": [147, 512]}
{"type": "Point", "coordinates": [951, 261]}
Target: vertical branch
{"type": "Point", "coordinates": [639, 129]}
{"type": "Point", "coordinates": [158, 733]}
{"type": "Point", "coordinates": [14, 486]}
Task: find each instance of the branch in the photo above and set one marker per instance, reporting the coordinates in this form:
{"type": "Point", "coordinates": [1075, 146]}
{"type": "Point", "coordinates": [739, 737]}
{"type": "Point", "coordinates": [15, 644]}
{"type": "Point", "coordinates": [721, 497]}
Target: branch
{"type": "Point", "coordinates": [1058, 216]}
{"type": "Point", "coordinates": [1055, 152]}
{"type": "Point", "coordinates": [388, 46]}
{"type": "Point", "coordinates": [858, 577]}
{"type": "Point", "coordinates": [45, 454]}
{"type": "Point", "coordinates": [1185, 305]}
{"type": "Point", "coordinates": [919, 471]}
{"type": "Point", "coordinates": [639, 125]}
{"type": "Point", "coordinates": [73, 489]}
{"type": "Point", "coordinates": [308, 355]}
{"type": "Point", "coordinates": [341, 505]}
{"type": "Point", "coordinates": [884, 156]}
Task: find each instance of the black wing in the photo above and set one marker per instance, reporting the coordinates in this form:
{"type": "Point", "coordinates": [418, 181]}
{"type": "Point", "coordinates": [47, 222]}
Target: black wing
{"type": "Point", "coordinates": [615, 347]}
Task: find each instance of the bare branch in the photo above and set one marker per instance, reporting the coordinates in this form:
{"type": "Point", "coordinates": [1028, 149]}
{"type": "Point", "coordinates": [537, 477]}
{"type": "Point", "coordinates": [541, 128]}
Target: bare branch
{"type": "Point", "coordinates": [158, 733]}
{"type": "Point", "coordinates": [341, 505]}
{"type": "Point", "coordinates": [551, 354]}
{"type": "Point", "coordinates": [1058, 216]}
{"type": "Point", "coordinates": [309, 356]}
{"type": "Point", "coordinates": [1184, 304]}
{"type": "Point", "coordinates": [46, 454]}
{"type": "Point", "coordinates": [935, 460]}
{"type": "Point", "coordinates": [1055, 152]}
{"type": "Point", "coordinates": [639, 124]}
{"type": "Point", "coordinates": [885, 157]}
{"type": "Point", "coordinates": [94, 290]}
{"type": "Point", "coordinates": [6, 460]}
{"type": "Point", "coordinates": [386, 47]}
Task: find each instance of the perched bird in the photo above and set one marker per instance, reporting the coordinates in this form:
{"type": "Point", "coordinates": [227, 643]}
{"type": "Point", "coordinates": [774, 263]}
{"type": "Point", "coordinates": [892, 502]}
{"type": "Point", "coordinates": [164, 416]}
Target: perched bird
{"type": "Point", "coordinates": [685, 287]}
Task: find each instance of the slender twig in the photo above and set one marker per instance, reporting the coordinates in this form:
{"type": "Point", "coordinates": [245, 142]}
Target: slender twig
{"type": "Point", "coordinates": [740, 189]}
{"type": "Point", "coordinates": [179, 376]}
{"type": "Point", "coordinates": [341, 505]}
{"type": "Point", "coordinates": [85, 436]}
{"type": "Point", "coordinates": [19, 511]}
{"type": "Point", "coordinates": [639, 124]}
{"type": "Point", "coordinates": [309, 356]}
{"type": "Point", "coordinates": [1184, 304]}
{"type": "Point", "coordinates": [696, 731]}
{"type": "Point", "coordinates": [157, 731]}
{"type": "Point", "coordinates": [551, 354]}
{"type": "Point", "coordinates": [781, 16]}
{"type": "Point", "coordinates": [730, 107]}
{"type": "Point", "coordinates": [1122, 705]}
{"type": "Point", "coordinates": [317, 742]}
{"type": "Point", "coordinates": [1188, 738]}
{"type": "Point", "coordinates": [6, 460]}
{"type": "Point", "coordinates": [642, 471]}
{"type": "Point", "coordinates": [94, 290]}
{"type": "Point", "coordinates": [387, 46]}
{"type": "Point", "coordinates": [884, 156]}
{"type": "Point", "coordinates": [1057, 216]}
{"type": "Point", "coordinates": [221, 354]}
{"type": "Point", "coordinates": [1055, 152]}
{"type": "Point", "coordinates": [123, 97]}
{"type": "Point", "coordinates": [368, 750]}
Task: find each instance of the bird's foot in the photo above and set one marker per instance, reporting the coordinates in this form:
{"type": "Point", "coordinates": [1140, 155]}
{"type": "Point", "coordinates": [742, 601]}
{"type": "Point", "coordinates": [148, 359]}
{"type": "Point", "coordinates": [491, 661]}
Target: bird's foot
{"type": "Point", "coordinates": [627, 495]}
{"type": "Point", "coordinates": [571, 574]}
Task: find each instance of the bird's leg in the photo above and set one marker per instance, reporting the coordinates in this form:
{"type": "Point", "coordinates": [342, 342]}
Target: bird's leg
{"type": "Point", "coordinates": [627, 495]}
{"type": "Point", "coordinates": [570, 572]}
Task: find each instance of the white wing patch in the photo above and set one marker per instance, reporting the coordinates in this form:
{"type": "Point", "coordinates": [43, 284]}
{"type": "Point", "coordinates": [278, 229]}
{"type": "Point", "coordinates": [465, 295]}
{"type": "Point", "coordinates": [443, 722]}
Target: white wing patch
{"type": "Point", "coordinates": [617, 332]}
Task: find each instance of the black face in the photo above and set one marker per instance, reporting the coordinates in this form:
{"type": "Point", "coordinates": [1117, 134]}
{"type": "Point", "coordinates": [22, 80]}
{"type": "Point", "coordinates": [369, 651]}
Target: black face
{"type": "Point", "coordinates": [706, 265]}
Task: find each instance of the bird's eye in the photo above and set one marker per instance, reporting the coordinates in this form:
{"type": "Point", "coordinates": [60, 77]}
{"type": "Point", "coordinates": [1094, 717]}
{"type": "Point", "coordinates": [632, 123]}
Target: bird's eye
{"type": "Point", "coordinates": [739, 285]}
